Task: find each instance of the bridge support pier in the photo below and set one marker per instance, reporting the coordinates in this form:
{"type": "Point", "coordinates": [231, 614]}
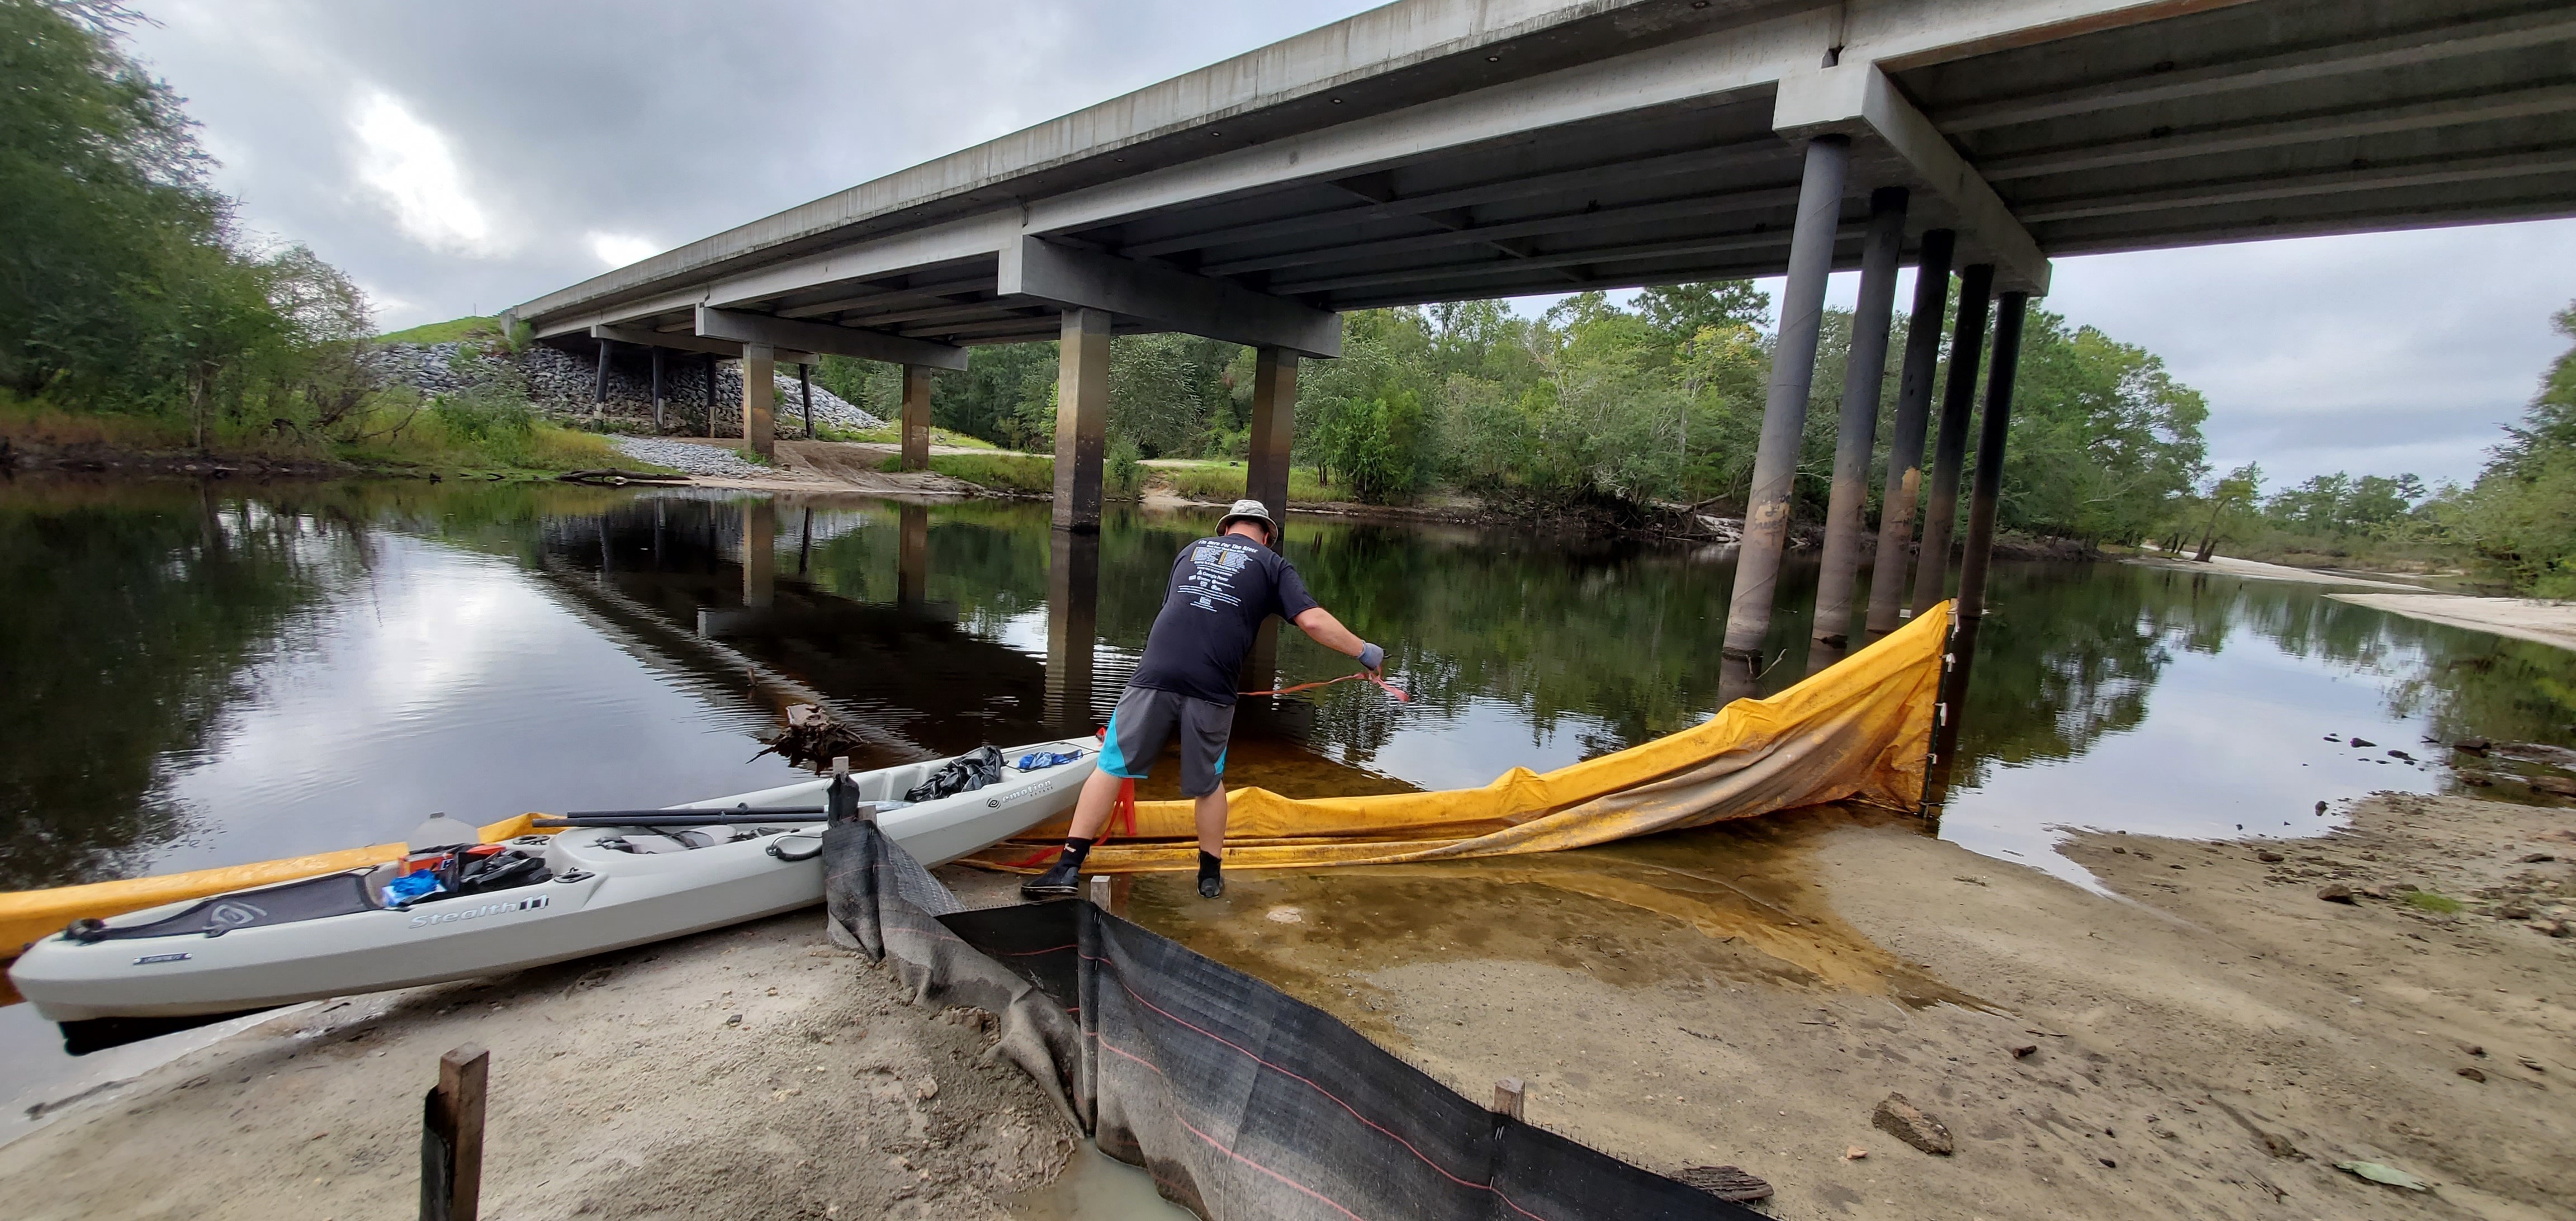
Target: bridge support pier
{"type": "Point", "coordinates": [1784, 413]}
{"type": "Point", "coordinates": [1983, 502]}
{"type": "Point", "coordinates": [1857, 432]}
{"type": "Point", "coordinates": [1958, 400]}
{"type": "Point", "coordinates": [1905, 446]}
{"type": "Point", "coordinates": [1987, 490]}
{"type": "Point", "coordinates": [1274, 423]}
{"type": "Point", "coordinates": [659, 398]}
{"type": "Point", "coordinates": [711, 395]}
{"type": "Point", "coordinates": [916, 417]}
{"type": "Point", "coordinates": [1081, 417]}
{"type": "Point", "coordinates": [760, 398]}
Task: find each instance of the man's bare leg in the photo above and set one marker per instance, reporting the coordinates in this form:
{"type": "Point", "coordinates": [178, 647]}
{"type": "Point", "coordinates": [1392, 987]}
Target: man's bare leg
{"type": "Point", "coordinates": [1091, 809]}
{"type": "Point", "coordinates": [1211, 815]}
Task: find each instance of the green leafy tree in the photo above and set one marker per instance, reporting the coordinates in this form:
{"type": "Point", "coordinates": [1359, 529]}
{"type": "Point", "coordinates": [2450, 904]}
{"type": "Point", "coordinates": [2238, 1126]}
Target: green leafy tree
{"type": "Point", "coordinates": [124, 285]}
{"type": "Point", "coordinates": [2522, 511]}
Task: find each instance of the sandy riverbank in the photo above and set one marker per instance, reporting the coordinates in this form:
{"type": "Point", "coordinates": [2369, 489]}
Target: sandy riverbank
{"type": "Point", "coordinates": [2208, 1043]}
{"type": "Point", "coordinates": [2178, 1028]}
{"type": "Point", "coordinates": [2259, 570]}
{"type": "Point", "coordinates": [2535, 619]}
{"type": "Point", "coordinates": [755, 1072]}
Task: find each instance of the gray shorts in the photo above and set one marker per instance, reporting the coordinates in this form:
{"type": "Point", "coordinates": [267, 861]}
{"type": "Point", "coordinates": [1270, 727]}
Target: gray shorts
{"type": "Point", "coordinates": [1145, 719]}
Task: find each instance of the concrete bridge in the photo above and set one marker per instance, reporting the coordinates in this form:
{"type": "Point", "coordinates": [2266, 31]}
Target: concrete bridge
{"type": "Point", "coordinates": [1437, 150]}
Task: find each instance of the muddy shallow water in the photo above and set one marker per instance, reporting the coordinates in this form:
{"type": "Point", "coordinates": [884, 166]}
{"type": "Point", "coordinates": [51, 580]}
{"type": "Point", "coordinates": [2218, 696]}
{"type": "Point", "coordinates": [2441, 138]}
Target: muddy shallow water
{"type": "Point", "coordinates": [204, 675]}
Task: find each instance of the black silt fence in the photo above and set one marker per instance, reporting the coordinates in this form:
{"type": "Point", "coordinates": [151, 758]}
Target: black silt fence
{"type": "Point", "coordinates": [1241, 1101]}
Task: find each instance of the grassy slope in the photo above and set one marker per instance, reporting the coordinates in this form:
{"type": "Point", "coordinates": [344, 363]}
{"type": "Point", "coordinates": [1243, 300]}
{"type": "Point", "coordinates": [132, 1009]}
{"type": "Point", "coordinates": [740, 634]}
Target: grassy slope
{"type": "Point", "coordinates": [1009, 472]}
{"type": "Point", "coordinates": [387, 443]}
{"type": "Point", "coordinates": [444, 332]}
{"type": "Point", "coordinates": [1225, 481]}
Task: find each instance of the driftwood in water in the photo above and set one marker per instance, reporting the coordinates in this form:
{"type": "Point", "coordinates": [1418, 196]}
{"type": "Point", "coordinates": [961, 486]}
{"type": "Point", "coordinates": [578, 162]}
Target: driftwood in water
{"type": "Point", "coordinates": [813, 739]}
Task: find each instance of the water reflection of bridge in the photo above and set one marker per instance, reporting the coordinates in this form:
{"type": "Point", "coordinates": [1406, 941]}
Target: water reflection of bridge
{"type": "Point", "coordinates": [735, 587]}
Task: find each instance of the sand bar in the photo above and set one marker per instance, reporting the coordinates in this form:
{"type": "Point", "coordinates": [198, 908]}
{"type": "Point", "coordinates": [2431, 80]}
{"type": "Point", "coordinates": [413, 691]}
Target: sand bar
{"type": "Point", "coordinates": [2536, 619]}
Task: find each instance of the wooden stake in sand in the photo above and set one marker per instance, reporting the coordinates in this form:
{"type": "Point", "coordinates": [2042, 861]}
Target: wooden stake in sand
{"type": "Point", "coordinates": [1507, 1097]}
{"type": "Point", "coordinates": [451, 1138]}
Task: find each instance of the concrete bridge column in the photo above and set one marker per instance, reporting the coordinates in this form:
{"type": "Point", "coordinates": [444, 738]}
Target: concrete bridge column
{"type": "Point", "coordinates": [805, 395]}
{"type": "Point", "coordinates": [1905, 447]}
{"type": "Point", "coordinates": [1081, 418]}
{"type": "Point", "coordinates": [1983, 502]}
{"type": "Point", "coordinates": [1958, 399]}
{"type": "Point", "coordinates": [1274, 423]}
{"type": "Point", "coordinates": [760, 398]}
{"type": "Point", "coordinates": [1784, 411]}
{"type": "Point", "coordinates": [1265, 478]}
{"type": "Point", "coordinates": [711, 395]}
{"type": "Point", "coordinates": [1988, 487]}
{"type": "Point", "coordinates": [1857, 432]}
{"type": "Point", "coordinates": [660, 398]}
{"type": "Point", "coordinates": [599, 386]}
{"type": "Point", "coordinates": [916, 417]}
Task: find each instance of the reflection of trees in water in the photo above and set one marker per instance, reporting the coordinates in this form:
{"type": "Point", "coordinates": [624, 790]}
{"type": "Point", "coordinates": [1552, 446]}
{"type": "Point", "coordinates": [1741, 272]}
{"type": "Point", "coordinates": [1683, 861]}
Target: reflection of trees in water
{"type": "Point", "coordinates": [135, 616]}
{"type": "Point", "coordinates": [2070, 656]}
{"type": "Point", "coordinates": [1618, 636]}
{"type": "Point", "coordinates": [2076, 650]}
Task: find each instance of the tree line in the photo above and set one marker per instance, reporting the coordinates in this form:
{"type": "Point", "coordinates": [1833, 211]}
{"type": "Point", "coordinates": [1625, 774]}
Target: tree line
{"type": "Point", "coordinates": [1657, 400]}
{"type": "Point", "coordinates": [126, 283]}
{"type": "Point", "coordinates": [2518, 516]}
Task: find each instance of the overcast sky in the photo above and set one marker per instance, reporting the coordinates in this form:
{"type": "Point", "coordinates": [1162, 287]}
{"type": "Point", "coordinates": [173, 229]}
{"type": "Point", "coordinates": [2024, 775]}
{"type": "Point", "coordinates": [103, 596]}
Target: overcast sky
{"type": "Point", "coordinates": [465, 156]}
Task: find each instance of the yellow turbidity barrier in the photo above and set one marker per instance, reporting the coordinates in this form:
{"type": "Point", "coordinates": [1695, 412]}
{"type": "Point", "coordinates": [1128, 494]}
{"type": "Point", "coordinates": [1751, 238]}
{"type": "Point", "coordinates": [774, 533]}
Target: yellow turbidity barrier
{"type": "Point", "coordinates": [31, 915]}
{"type": "Point", "coordinates": [1858, 731]}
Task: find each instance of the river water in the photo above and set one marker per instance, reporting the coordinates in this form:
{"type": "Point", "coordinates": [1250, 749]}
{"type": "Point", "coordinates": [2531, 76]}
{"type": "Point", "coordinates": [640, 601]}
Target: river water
{"type": "Point", "coordinates": [200, 675]}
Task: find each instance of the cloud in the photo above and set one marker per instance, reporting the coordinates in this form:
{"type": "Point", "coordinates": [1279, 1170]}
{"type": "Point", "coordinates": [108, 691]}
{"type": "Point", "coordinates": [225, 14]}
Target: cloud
{"type": "Point", "coordinates": [620, 249]}
{"type": "Point", "coordinates": [409, 164]}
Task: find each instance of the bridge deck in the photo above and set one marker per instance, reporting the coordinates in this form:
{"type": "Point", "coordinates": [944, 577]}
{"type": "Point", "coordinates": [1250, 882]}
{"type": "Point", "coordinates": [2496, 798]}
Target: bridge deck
{"type": "Point", "coordinates": [1448, 149]}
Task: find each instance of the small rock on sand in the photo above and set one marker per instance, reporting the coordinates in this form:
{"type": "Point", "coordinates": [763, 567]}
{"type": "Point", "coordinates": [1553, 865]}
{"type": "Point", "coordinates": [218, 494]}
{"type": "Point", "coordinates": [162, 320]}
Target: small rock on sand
{"type": "Point", "coordinates": [2471, 1072]}
{"type": "Point", "coordinates": [1907, 1122]}
{"type": "Point", "coordinates": [2269, 857]}
{"type": "Point", "coordinates": [2335, 892]}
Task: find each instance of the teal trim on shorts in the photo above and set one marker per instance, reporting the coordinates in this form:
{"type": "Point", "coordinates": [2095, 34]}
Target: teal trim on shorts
{"type": "Point", "coordinates": [1112, 759]}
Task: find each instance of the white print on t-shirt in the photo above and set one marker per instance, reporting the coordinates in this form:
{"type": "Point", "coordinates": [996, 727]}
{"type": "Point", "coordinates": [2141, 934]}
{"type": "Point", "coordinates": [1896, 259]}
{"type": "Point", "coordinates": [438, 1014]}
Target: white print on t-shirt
{"type": "Point", "coordinates": [1211, 574]}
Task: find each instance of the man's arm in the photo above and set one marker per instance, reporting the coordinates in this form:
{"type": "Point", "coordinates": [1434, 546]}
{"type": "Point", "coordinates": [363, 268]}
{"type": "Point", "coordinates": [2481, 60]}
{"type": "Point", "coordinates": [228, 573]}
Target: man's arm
{"type": "Point", "coordinates": [1321, 627]}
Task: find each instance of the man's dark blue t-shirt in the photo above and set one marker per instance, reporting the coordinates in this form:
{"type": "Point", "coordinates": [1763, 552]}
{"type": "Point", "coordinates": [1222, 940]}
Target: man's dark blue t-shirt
{"type": "Point", "coordinates": [1221, 590]}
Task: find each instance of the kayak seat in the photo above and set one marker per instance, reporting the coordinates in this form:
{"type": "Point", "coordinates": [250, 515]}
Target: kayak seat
{"type": "Point", "coordinates": [332, 894]}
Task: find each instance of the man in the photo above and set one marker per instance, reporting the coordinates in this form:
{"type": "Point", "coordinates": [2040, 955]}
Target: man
{"type": "Point", "coordinates": [1221, 589]}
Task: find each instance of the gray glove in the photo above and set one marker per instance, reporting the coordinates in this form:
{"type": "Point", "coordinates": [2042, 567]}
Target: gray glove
{"type": "Point", "coordinates": [1372, 657]}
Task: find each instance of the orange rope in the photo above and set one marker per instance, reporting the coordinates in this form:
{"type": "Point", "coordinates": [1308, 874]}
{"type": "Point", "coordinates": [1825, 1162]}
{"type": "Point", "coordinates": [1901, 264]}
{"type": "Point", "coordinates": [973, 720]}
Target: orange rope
{"type": "Point", "coordinates": [1399, 695]}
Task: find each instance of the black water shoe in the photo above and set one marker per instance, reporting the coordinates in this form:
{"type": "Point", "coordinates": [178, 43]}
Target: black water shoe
{"type": "Point", "coordinates": [1062, 882]}
{"type": "Point", "coordinates": [1211, 877]}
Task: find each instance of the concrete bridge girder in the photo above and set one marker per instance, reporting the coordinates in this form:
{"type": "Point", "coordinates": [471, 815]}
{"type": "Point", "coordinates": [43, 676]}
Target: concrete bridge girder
{"type": "Point", "coordinates": [739, 327]}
